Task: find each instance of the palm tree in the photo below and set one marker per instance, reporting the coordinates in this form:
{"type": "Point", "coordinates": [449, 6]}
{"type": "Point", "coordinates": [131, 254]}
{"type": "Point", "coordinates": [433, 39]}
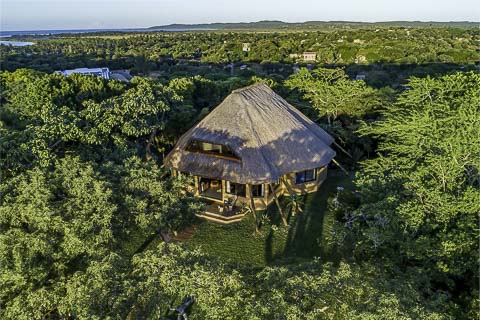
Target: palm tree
{"type": "Point", "coordinates": [294, 204]}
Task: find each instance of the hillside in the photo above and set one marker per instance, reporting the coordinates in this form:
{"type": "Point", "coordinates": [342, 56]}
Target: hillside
{"type": "Point", "coordinates": [314, 25]}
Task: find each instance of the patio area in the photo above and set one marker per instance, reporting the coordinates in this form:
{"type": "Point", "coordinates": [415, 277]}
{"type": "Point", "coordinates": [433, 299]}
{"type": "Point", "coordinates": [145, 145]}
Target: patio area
{"type": "Point", "coordinates": [217, 212]}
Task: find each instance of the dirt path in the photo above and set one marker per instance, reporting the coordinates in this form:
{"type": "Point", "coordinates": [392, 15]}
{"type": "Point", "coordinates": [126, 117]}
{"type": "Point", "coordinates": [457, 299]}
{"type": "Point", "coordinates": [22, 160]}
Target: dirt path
{"type": "Point", "coordinates": [185, 234]}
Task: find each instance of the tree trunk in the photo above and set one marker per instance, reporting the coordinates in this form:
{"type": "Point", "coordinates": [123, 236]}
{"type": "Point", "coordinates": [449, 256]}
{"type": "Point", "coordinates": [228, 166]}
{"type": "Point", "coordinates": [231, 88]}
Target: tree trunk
{"type": "Point", "coordinates": [149, 144]}
{"type": "Point", "coordinates": [284, 219]}
{"type": "Point", "coordinates": [167, 239]}
{"type": "Point", "coordinates": [51, 147]}
{"type": "Point", "coordinates": [342, 149]}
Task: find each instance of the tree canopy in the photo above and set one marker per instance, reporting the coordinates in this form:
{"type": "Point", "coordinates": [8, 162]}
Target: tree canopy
{"type": "Point", "coordinates": [85, 201]}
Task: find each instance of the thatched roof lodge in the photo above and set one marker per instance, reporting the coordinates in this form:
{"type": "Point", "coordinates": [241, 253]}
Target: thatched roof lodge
{"type": "Point", "coordinates": [253, 147]}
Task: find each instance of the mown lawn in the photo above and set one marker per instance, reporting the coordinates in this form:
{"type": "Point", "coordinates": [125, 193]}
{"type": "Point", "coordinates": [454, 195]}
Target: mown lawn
{"type": "Point", "coordinates": [305, 238]}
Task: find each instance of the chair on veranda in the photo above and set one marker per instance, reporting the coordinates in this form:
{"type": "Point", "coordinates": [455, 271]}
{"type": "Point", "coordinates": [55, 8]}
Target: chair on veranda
{"type": "Point", "coordinates": [230, 204]}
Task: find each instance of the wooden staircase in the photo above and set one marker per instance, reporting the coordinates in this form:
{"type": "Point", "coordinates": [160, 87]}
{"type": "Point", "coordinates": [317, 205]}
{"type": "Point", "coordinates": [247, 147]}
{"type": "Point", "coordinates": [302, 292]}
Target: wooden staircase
{"type": "Point", "coordinates": [221, 219]}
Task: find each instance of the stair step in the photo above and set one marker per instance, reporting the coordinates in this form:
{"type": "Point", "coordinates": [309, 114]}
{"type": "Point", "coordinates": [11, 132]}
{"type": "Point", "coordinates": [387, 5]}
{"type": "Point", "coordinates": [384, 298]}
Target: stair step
{"type": "Point", "coordinates": [219, 219]}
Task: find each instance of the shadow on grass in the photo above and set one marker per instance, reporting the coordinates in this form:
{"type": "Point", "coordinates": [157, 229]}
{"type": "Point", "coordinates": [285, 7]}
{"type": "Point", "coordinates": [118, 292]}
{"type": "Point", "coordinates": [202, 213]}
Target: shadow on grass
{"type": "Point", "coordinates": [309, 230]}
{"type": "Point", "coordinates": [306, 237]}
{"type": "Point", "coordinates": [269, 247]}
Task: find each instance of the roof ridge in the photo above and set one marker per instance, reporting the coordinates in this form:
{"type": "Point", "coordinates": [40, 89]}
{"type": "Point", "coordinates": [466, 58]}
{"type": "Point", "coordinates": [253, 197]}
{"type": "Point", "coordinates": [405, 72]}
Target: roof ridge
{"type": "Point", "coordinates": [254, 85]}
{"type": "Point", "coordinates": [260, 142]}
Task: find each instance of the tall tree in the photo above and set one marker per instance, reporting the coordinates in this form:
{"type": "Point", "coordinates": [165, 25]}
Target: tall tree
{"type": "Point", "coordinates": [419, 198]}
{"type": "Point", "coordinates": [332, 94]}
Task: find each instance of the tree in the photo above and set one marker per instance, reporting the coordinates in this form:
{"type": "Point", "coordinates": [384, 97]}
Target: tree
{"type": "Point", "coordinates": [155, 202]}
{"type": "Point", "coordinates": [343, 102]}
{"type": "Point", "coordinates": [305, 291]}
{"type": "Point", "coordinates": [331, 93]}
{"type": "Point", "coordinates": [294, 204]}
{"type": "Point", "coordinates": [51, 227]}
{"type": "Point", "coordinates": [75, 194]}
{"type": "Point", "coordinates": [419, 199]}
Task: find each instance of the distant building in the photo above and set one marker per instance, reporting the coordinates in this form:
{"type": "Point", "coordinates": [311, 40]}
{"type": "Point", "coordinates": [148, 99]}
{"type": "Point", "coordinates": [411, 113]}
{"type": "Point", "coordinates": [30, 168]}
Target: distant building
{"type": "Point", "coordinates": [310, 56]}
{"type": "Point", "coordinates": [99, 72]}
{"type": "Point", "coordinates": [122, 75]}
{"type": "Point", "coordinates": [358, 41]}
{"type": "Point", "coordinates": [360, 77]}
{"type": "Point", "coordinates": [246, 47]}
{"type": "Point", "coordinates": [230, 66]}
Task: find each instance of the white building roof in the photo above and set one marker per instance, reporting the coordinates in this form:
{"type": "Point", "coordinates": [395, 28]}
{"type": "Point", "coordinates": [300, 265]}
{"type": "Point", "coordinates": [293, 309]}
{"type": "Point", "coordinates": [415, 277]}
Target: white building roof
{"type": "Point", "coordinates": [100, 72]}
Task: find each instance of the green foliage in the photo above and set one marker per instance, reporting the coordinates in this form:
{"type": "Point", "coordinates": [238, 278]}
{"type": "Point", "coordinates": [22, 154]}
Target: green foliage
{"type": "Point", "coordinates": [305, 291]}
{"type": "Point", "coordinates": [50, 228]}
{"type": "Point", "coordinates": [143, 53]}
{"type": "Point", "coordinates": [343, 102]}
{"type": "Point", "coordinates": [82, 195]}
{"type": "Point", "coordinates": [155, 202]}
{"type": "Point", "coordinates": [430, 139]}
{"type": "Point", "coordinates": [332, 94]}
{"type": "Point", "coordinates": [419, 199]}
{"type": "Point", "coordinates": [294, 204]}
{"type": "Point", "coordinates": [54, 122]}
{"type": "Point", "coordinates": [74, 189]}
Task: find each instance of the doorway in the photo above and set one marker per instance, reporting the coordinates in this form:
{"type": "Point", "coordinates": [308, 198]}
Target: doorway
{"type": "Point", "coordinates": [210, 188]}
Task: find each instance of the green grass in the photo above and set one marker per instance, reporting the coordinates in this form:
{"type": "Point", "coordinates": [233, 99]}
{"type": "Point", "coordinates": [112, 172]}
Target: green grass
{"type": "Point", "coordinates": [305, 238]}
{"type": "Point", "coordinates": [238, 242]}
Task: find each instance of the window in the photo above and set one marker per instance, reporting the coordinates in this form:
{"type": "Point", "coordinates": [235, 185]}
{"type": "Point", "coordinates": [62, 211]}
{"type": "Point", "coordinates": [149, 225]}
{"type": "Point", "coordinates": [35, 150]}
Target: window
{"type": "Point", "coordinates": [211, 148]}
{"type": "Point", "coordinates": [257, 190]}
{"type": "Point", "coordinates": [305, 176]}
{"type": "Point", "coordinates": [236, 188]}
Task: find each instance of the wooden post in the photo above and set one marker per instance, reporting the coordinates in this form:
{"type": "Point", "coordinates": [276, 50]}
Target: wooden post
{"type": "Point", "coordinates": [284, 220]}
{"type": "Point", "coordinates": [290, 191]}
{"type": "Point", "coordinates": [252, 206]}
{"type": "Point", "coordinates": [340, 166]}
{"type": "Point", "coordinates": [343, 150]}
{"type": "Point", "coordinates": [197, 186]}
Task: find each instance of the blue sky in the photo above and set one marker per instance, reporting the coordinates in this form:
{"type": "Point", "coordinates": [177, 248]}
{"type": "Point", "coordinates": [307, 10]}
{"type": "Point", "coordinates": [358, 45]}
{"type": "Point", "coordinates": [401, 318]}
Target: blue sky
{"type": "Point", "coordinates": [83, 14]}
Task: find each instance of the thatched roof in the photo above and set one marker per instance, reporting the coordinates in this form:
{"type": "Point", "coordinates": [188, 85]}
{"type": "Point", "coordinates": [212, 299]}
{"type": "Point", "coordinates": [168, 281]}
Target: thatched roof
{"type": "Point", "coordinates": [271, 137]}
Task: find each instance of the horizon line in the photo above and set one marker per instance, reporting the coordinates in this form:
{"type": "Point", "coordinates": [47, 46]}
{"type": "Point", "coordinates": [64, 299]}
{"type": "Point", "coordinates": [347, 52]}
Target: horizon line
{"type": "Point", "coordinates": [245, 22]}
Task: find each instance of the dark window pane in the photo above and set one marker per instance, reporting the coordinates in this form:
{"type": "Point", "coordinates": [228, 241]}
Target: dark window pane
{"type": "Point", "coordinates": [310, 175]}
{"type": "Point", "coordinates": [210, 148]}
{"type": "Point", "coordinates": [257, 191]}
{"type": "Point", "coordinates": [305, 176]}
{"type": "Point", "coordinates": [300, 177]}
{"type": "Point", "coordinates": [241, 190]}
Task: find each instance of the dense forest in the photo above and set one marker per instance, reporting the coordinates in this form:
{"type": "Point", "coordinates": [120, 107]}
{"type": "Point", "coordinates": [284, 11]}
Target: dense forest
{"type": "Point", "coordinates": [88, 212]}
{"type": "Point", "coordinates": [146, 52]}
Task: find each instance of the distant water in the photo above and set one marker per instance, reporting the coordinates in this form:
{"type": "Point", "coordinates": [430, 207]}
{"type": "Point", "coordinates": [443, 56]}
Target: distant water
{"type": "Point", "coordinates": [52, 32]}
{"type": "Point", "coordinates": [16, 43]}
{"type": "Point", "coordinates": [76, 31]}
